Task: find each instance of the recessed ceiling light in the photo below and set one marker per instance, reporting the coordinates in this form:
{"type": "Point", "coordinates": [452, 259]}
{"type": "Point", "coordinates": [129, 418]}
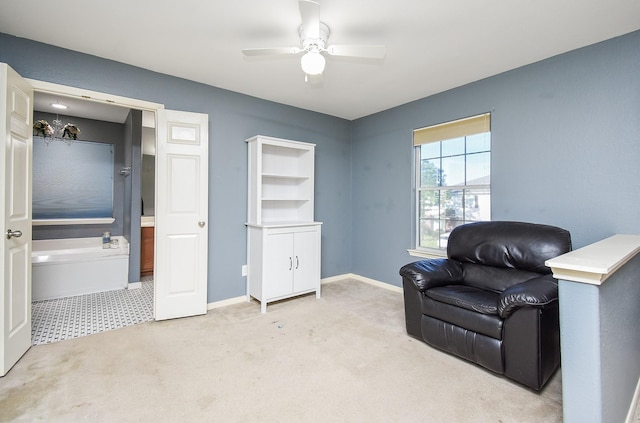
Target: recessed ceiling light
{"type": "Point", "coordinates": [58, 106]}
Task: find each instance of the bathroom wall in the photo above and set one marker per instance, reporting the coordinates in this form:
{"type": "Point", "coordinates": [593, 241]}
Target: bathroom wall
{"type": "Point", "coordinates": [148, 164]}
{"type": "Point", "coordinates": [148, 184]}
{"type": "Point", "coordinates": [95, 131]}
{"type": "Point", "coordinates": [132, 188]}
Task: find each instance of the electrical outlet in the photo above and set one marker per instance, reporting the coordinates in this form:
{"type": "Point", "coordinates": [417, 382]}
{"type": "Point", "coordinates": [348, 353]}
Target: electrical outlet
{"type": "Point", "coordinates": [244, 270]}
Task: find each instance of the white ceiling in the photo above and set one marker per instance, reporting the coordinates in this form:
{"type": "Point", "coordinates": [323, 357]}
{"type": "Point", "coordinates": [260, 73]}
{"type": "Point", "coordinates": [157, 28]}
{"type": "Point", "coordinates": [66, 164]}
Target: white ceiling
{"type": "Point", "coordinates": [80, 108]}
{"type": "Point", "coordinates": [432, 46]}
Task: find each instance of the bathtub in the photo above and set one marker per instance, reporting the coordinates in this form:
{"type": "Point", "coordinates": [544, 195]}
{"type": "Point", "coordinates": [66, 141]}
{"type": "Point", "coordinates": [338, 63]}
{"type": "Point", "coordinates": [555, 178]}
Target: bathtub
{"type": "Point", "coordinates": [77, 266]}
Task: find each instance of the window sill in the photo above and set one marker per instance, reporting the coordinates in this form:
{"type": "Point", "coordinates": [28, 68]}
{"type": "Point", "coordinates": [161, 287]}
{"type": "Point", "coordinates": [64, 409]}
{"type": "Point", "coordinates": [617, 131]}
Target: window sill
{"type": "Point", "coordinates": [93, 221]}
{"type": "Point", "coordinates": [431, 254]}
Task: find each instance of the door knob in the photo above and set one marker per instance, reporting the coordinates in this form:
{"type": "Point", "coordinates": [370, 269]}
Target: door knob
{"type": "Point", "coordinates": [16, 234]}
{"type": "Point", "coordinates": [201, 224]}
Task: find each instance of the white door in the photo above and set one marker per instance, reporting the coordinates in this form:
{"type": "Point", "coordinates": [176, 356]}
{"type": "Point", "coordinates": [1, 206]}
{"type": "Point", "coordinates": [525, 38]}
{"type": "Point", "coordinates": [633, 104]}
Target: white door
{"type": "Point", "coordinates": [181, 214]}
{"type": "Point", "coordinates": [16, 147]}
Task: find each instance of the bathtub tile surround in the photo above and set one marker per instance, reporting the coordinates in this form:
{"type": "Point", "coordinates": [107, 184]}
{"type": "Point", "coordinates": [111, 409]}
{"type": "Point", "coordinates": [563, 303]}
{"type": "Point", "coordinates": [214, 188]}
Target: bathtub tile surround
{"type": "Point", "coordinates": [71, 317]}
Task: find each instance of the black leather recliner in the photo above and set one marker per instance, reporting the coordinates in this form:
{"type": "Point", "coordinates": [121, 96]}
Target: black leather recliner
{"type": "Point", "coordinates": [492, 301]}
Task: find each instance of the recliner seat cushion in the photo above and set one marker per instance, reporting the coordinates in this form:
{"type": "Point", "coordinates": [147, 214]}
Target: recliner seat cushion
{"type": "Point", "coordinates": [467, 297]}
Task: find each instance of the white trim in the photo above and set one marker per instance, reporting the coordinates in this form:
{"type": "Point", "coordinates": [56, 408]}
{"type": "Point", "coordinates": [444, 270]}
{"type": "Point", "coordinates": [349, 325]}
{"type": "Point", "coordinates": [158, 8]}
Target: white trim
{"type": "Point", "coordinates": [431, 254]}
{"type": "Point", "coordinates": [364, 279]}
{"type": "Point", "coordinates": [92, 221]}
{"type": "Point", "coordinates": [134, 285]}
{"type": "Point", "coordinates": [596, 262]}
{"type": "Point", "coordinates": [66, 90]}
{"type": "Point", "coordinates": [224, 303]}
{"type": "Point", "coordinates": [331, 279]}
{"type": "Point", "coordinates": [336, 278]}
{"type": "Point", "coordinates": [634, 404]}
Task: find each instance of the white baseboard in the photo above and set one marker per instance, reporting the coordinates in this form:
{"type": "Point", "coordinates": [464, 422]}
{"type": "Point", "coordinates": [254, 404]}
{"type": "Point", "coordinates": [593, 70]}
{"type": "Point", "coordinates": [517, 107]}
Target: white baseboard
{"type": "Point", "coordinates": [634, 404]}
{"type": "Point", "coordinates": [134, 285]}
{"type": "Point", "coordinates": [237, 300]}
{"type": "Point", "coordinates": [364, 279]}
{"type": "Point", "coordinates": [224, 303]}
{"type": "Point", "coordinates": [336, 278]}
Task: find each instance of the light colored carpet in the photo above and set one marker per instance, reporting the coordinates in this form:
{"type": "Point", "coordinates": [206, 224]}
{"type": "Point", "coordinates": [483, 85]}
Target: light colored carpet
{"type": "Point", "coordinates": [342, 358]}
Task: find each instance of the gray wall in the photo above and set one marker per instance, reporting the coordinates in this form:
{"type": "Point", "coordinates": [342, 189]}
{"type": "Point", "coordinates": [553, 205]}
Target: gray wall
{"type": "Point", "coordinates": [233, 118]}
{"type": "Point", "coordinates": [565, 151]}
{"type": "Point", "coordinates": [600, 345]}
{"type": "Point", "coordinates": [96, 131]}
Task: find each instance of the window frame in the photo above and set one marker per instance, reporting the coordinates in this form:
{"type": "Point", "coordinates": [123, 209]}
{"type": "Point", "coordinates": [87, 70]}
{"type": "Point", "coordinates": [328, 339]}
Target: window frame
{"type": "Point", "coordinates": [431, 252]}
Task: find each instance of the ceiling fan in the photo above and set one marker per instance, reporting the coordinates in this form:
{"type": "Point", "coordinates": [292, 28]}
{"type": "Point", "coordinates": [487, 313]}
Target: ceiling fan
{"type": "Point", "coordinates": [313, 42]}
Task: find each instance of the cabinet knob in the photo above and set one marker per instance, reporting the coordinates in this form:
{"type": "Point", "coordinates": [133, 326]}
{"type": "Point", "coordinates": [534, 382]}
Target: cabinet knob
{"type": "Point", "coordinates": [201, 224]}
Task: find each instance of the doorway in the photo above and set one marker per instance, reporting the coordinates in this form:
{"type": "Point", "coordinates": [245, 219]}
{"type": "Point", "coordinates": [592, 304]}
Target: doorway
{"type": "Point", "coordinates": [181, 240]}
{"type": "Point", "coordinates": [63, 313]}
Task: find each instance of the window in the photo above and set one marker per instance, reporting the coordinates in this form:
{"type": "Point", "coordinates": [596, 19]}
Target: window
{"type": "Point", "coordinates": [453, 178]}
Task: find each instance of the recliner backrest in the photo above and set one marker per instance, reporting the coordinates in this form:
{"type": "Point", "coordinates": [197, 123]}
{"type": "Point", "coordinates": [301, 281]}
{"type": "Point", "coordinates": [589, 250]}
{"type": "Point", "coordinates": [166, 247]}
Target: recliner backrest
{"type": "Point", "coordinates": [512, 245]}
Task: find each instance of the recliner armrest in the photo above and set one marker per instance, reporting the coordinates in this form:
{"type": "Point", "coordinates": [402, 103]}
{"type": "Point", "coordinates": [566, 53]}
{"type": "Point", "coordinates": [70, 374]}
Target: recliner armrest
{"type": "Point", "coordinates": [430, 273]}
{"type": "Point", "coordinates": [534, 292]}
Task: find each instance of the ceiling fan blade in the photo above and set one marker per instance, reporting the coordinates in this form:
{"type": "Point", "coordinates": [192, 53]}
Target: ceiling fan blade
{"type": "Point", "coordinates": [364, 51]}
{"type": "Point", "coordinates": [270, 51]}
{"type": "Point", "coordinates": [310, 14]}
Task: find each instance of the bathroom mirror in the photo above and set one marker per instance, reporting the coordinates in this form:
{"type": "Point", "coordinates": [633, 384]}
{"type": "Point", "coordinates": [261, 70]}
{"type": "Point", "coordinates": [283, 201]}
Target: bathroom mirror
{"type": "Point", "coordinates": [72, 181]}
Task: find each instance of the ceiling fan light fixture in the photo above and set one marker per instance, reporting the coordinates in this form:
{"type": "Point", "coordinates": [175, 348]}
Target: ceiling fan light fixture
{"type": "Point", "coordinates": [312, 63]}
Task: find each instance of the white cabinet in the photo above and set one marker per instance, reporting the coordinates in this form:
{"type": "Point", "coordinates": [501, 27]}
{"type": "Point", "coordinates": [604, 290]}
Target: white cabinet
{"type": "Point", "coordinates": [283, 240]}
{"type": "Point", "coordinates": [283, 262]}
{"type": "Point", "coordinates": [280, 181]}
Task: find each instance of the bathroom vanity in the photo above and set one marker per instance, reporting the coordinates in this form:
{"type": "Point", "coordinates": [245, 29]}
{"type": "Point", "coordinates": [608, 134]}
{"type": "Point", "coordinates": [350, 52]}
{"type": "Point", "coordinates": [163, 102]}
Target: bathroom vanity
{"type": "Point", "coordinates": [146, 247]}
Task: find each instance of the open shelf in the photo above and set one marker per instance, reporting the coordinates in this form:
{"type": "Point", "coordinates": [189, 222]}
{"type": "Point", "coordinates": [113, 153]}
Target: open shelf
{"type": "Point", "coordinates": [281, 180]}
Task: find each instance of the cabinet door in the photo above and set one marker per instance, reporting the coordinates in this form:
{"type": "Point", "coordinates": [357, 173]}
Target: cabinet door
{"type": "Point", "coordinates": [146, 251]}
{"type": "Point", "coordinates": [278, 265]}
{"type": "Point", "coordinates": [305, 260]}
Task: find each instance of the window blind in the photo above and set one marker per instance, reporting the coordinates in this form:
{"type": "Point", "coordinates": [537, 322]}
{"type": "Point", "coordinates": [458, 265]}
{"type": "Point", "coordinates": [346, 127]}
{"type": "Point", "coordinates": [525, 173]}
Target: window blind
{"type": "Point", "coordinates": [454, 129]}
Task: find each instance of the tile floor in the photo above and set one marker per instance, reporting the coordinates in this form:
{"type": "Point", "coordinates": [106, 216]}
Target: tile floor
{"type": "Point", "coordinates": [72, 317]}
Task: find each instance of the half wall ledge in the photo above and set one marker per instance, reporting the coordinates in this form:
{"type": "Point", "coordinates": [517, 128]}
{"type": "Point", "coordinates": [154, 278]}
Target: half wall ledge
{"type": "Point", "coordinates": [596, 262]}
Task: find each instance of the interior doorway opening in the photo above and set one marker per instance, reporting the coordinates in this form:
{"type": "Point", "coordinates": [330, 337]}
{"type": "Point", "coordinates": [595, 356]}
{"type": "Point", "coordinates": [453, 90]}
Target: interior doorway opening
{"type": "Point", "coordinates": [70, 316]}
{"type": "Point", "coordinates": [181, 240]}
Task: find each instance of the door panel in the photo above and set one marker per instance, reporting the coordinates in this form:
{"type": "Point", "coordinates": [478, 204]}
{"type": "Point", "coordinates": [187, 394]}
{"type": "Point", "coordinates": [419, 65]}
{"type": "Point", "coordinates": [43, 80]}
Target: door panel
{"type": "Point", "coordinates": [278, 265]}
{"type": "Point", "coordinates": [181, 215]}
{"type": "Point", "coordinates": [306, 260]}
{"type": "Point", "coordinates": [16, 147]}
{"type": "Point", "coordinates": [183, 199]}
{"type": "Point", "coordinates": [18, 291]}
{"type": "Point", "coordinates": [182, 280]}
